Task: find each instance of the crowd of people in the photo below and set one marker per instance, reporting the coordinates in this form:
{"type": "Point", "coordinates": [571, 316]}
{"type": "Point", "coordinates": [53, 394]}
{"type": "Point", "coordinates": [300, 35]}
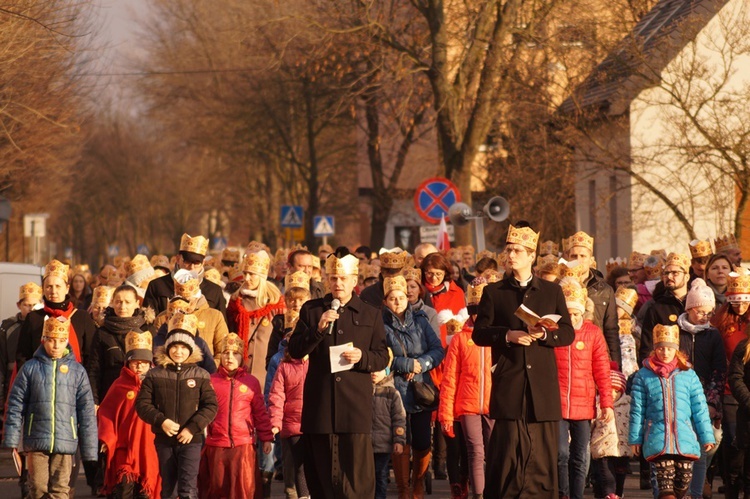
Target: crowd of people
{"type": "Point", "coordinates": [526, 373]}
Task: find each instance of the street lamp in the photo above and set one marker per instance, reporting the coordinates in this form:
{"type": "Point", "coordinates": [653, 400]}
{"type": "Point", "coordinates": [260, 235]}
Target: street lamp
{"type": "Point", "coordinates": [5, 212]}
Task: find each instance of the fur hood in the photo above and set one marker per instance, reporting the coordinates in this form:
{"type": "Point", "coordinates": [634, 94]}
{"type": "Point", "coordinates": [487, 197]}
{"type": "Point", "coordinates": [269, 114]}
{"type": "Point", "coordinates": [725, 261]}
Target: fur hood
{"type": "Point", "coordinates": [163, 360]}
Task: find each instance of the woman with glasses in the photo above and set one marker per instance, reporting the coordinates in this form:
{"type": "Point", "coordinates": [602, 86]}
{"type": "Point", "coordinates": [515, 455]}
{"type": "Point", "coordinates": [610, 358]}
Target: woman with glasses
{"type": "Point", "coordinates": [704, 348]}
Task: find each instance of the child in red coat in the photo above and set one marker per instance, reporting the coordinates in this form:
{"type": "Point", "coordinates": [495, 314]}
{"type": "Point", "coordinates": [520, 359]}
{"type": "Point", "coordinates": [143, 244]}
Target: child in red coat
{"type": "Point", "coordinates": [581, 367]}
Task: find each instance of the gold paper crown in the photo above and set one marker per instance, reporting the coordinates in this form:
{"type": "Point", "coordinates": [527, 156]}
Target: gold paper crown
{"type": "Point", "coordinates": [626, 296]}
{"type": "Point", "coordinates": [297, 279]}
{"type": "Point", "coordinates": [524, 236]}
{"type": "Point", "coordinates": [160, 261]}
{"type": "Point", "coordinates": [680, 260]}
{"type": "Point", "coordinates": [185, 322]}
{"type": "Point", "coordinates": [58, 269]}
{"type": "Point", "coordinates": [580, 238]}
{"type": "Point", "coordinates": [626, 325]}
{"type": "Point", "coordinates": [232, 343]}
{"type": "Point", "coordinates": [636, 260]}
{"type": "Point", "coordinates": [175, 306]}
{"type": "Point", "coordinates": [137, 264]}
{"type": "Point", "coordinates": [547, 259]}
{"type": "Point", "coordinates": [348, 265]}
{"type": "Point", "coordinates": [549, 248]}
{"type": "Point", "coordinates": [257, 263]}
{"type": "Point", "coordinates": [409, 260]}
{"type": "Point", "coordinates": [56, 327]}
{"type": "Point", "coordinates": [81, 268]}
{"type": "Point", "coordinates": [661, 253]}
{"type": "Point", "coordinates": [188, 290]}
{"type": "Point", "coordinates": [699, 249]}
{"type": "Point", "coordinates": [738, 284]}
{"type": "Point", "coordinates": [412, 274]}
{"type": "Point", "coordinates": [726, 242]}
{"type": "Point", "coordinates": [197, 244]}
{"type": "Point", "coordinates": [234, 273]}
{"type": "Point", "coordinates": [112, 276]}
{"type": "Point", "coordinates": [485, 254]}
{"type": "Point", "coordinates": [370, 271]}
{"type": "Point", "coordinates": [230, 255]}
{"type": "Point", "coordinates": [281, 256]}
{"type": "Point", "coordinates": [315, 262]}
{"type": "Point", "coordinates": [392, 260]}
{"type": "Point", "coordinates": [254, 247]}
{"type": "Point", "coordinates": [30, 290]}
{"type": "Point", "coordinates": [614, 263]}
{"type": "Point", "coordinates": [136, 340]}
{"type": "Point", "coordinates": [102, 296]}
{"type": "Point", "coordinates": [214, 276]}
{"type": "Point", "coordinates": [574, 272]}
{"type": "Point", "coordinates": [290, 318]}
{"type": "Point", "coordinates": [455, 325]}
{"type": "Point", "coordinates": [492, 275]}
{"type": "Point", "coordinates": [574, 293]}
{"type": "Point", "coordinates": [474, 293]}
{"type": "Point", "coordinates": [653, 266]}
{"type": "Point", "coordinates": [667, 334]}
{"type": "Point", "coordinates": [396, 283]}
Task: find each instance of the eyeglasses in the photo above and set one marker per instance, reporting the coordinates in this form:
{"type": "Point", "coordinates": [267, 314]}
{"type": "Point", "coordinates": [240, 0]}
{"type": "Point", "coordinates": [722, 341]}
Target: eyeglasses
{"type": "Point", "coordinates": [435, 273]}
{"type": "Point", "coordinates": [674, 273]}
{"type": "Point", "coordinates": [633, 271]}
{"type": "Point", "coordinates": [701, 315]}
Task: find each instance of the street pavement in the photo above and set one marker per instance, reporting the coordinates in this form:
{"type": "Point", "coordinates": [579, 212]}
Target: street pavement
{"type": "Point", "coordinates": [440, 488]}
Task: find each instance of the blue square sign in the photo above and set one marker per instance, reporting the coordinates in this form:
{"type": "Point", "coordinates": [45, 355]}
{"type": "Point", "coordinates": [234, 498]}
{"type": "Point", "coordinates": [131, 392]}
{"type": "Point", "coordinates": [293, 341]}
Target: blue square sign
{"type": "Point", "coordinates": [292, 216]}
{"type": "Point", "coordinates": [323, 226]}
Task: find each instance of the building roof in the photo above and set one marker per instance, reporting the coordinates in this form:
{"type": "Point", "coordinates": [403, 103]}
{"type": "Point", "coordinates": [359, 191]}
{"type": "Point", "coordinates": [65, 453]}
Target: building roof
{"type": "Point", "coordinates": [638, 60]}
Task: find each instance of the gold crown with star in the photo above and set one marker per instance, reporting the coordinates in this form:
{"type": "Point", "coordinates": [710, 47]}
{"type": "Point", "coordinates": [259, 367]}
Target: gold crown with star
{"type": "Point", "coordinates": [580, 238]}
{"type": "Point", "coordinates": [297, 279]}
{"type": "Point", "coordinates": [197, 244]}
{"type": "Point", "coordinates": [699, 249]}
{"type": "Point", "coordinates": [395, 283]}
{"type": "Point", "coordinates": [725, 242]}
{"type": "Point", "coordinates": [184, 322]}
{"type": "Point", "coordinates": [257, 263]}
{"type": "Point", "coordinates": [56, 327]}
{"type": "Point", "coordinates": [348, 265]}
{"type": "Point", "coordinates": [232, 343]}
{"type": "Point", "coordinates": [58, 269]}
{"type": "Point", "coordinates": [667, 334]}
{"type": "Point", "coordinates": [30, 290]}
{"type": "Point", "coordinates": [137, 340]}
{"type": "Point", "coordinates": [549, 248]}
{"type": "Point", "coordinates": [525, 236]}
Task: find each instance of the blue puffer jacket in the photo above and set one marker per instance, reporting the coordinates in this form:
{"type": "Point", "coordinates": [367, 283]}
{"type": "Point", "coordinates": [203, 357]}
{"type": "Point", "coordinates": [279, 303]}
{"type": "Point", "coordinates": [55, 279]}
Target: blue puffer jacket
{"type": "Point", "coordinates": [51, 402]}
{"type": "Point", "coordinates": [669, 415]}
{"type": "Point", "coordinates": [422, 345]}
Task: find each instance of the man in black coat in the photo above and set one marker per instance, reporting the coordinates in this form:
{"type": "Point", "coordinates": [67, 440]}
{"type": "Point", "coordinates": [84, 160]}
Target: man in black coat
{"type": "Point", "coordinates": [668, 302]}
{"type": "Point", "coordinates": [391, 264]}
{"type": "Point", "coordinates": [580, 247]}
{"type": "Point", "coordinates": [337, 407]}
{"type": "Point", "coordinates": [525, 400]}
{"type": "Point", "coordinates": [192, 253]}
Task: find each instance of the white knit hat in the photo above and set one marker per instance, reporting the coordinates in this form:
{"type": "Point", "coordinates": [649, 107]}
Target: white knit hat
{"type": "Point", "coordinates": [700, 295]}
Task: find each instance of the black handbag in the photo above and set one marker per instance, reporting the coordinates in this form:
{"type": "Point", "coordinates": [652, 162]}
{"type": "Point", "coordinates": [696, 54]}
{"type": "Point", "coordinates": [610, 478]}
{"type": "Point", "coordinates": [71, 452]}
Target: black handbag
{"type": "Point", "coordinates": [425, 394]}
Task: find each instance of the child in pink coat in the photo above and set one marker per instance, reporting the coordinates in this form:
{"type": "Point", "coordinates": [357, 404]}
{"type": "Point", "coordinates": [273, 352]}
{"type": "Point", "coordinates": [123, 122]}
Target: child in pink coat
{"type": "Point", "coordinates": [285, 407]}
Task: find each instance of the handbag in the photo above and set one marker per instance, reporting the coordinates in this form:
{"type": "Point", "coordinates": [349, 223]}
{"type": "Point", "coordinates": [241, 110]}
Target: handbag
{"type": "Point", "coordinates": [425, 394]}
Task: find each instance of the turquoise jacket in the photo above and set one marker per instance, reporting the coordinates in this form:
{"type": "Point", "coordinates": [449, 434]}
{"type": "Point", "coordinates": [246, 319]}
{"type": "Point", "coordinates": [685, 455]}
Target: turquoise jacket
{"type": "Point", "coordinates": [669, 415]}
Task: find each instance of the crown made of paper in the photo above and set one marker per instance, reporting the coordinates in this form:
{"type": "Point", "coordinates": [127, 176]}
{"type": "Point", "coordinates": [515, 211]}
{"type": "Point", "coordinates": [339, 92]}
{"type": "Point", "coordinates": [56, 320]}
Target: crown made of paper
{"type": "Point", "coordinates": [137, 340]}
{"type": "Point", "coordinates": [738, 284]}
{"type": "Point", "coordinates": [255, 246]}
{"type": "Point", "coordinates": [524, 236]}
{"type": "Point", "coordinates": [230, 255]}
{"type": "Point", "coordinates": [393, 259]}
{"type": "Point", "coordinates": [160, 261]}
{"type": "Point", "coordinates": [139, 263]}
{"type": "Point", "coordinates": [175, 306]}
{"type": "Point", "coordinates": [637, 260]}
{"type": "Point", "coordinates": [232, 343]}
{"type": "Point", "coordinates": [186, 284]}
{"type": "Point", "coordinates": [574, 292]}
{"type": "Point", "coordinates": [653, 265]}
{"type": "Point", "coordinates": [316, 262]}
{"type": "Point", "coordinates": [666, 334]}
{"type": "Point", "coordinates": [678, 259]}
{"type": "Point", "coordinates": [546, 260]}
{"type": "Point", "coordinates": [571, 270]}
{"type": "Point", "coordinates": [699, 249]}
{"type": "Point", "coordinates": [102, 296]}
{"type": "Point", "coordinates": [297, 279]}
{"type": "Point", "coordinates": [58, 269]}
{"type": "Point", "coordinates": [549, 248]}
{"type": "Point", "coordinates": [580, 238]}
{"type": "Point", "coordinates": [184, 322]}
{"type": "Point", "coordinates": [257, 263]}
{"type": "Point", "coordinates": [725, 242]}
{"type": "Point", "coordinates": [395, 283]}
{"type": "Point", "coordinates": [30, 290]}
{"type": "Point", "coordinates": [614, 263]}
{"type": "Point", "coordinates": [626, 298]}
{"type": "Point", "coordinates": [485, 254]}
{"type": "Point", "coordinates": [56, 327]}
{"type": "Point", "coordinates": [290, 318]}
{"type": "Point", "coordinates": [214, 276]}
{"type": "Point", "coordinates": [112, 276]}
{"type": "Point", "coordinates": [197, 244]}
{"type": "Point", "coordinates": [348, 265]}
{"type": "Point", "coordinates": [661, 253]}
{"type": "Point", "coordinates": [412, 274]}
{"type": "Point", "coordinates": [474, 290]}
{"type": "Point", "coordinates": [234, 273]}
{"type": "Point", "coordinates": [281, 256]}
{"type": "Point", "coordinates": [82, 269]}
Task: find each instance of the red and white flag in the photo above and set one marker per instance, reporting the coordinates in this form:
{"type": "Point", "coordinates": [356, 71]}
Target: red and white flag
{"type": "Point", "coordinates": [443, 242]}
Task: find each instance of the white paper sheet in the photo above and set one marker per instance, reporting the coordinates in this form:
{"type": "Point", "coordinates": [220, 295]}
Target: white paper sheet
{"type": "Point", "coordinates": [339, 363]}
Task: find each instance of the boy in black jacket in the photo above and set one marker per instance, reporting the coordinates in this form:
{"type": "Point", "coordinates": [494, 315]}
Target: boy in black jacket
{"type": "Point", "coordinates": [168, 399]}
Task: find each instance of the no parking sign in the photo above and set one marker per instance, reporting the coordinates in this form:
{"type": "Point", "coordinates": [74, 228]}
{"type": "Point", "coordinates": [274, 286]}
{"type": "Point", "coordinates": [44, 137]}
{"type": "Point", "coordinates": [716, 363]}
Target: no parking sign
{"type": "Point", "coordinates": [434, 197]}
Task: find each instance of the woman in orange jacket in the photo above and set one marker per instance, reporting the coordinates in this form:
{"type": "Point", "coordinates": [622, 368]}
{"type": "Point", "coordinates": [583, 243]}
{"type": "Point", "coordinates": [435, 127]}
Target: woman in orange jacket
{"type": "Point", "coordinates": [466, 388]}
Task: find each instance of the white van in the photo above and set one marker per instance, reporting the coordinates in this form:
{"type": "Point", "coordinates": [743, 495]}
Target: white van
{"type": "Point", "coordinates": [12, 277]}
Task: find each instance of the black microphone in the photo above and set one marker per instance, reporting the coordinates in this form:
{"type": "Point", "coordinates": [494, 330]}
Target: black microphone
{"type": "Point", "coordinates": [335, 305]}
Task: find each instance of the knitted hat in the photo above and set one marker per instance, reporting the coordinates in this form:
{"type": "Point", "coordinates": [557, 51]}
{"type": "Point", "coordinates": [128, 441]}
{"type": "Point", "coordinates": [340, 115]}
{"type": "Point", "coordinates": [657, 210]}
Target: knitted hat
{"type": "Point", "coordinates": [700, 295]}
{"type": "Point", "coordinates": [182, 329]}
{"type": "Point", "coordinates": [618, 379]}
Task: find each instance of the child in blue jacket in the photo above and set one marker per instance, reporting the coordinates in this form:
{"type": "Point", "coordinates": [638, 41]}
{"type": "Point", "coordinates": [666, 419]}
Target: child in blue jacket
{"type": "Point", "coordinates": [669, 414]}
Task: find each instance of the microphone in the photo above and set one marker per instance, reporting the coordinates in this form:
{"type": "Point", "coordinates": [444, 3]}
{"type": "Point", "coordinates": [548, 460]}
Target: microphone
{"type": "Point", "coordinates": [335, 305]}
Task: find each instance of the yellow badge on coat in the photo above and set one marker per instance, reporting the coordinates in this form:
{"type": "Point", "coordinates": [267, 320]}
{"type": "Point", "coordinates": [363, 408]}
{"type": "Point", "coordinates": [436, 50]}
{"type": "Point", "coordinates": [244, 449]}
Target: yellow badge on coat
{"type": "Point", "coordinates": [64, 369]}
{"type": "Point", "coordinates": [243, 388]}
{"type": "Point", "coordinates": [264, 322]}
{"type": "Point", "coordinates": [130, 395]}
{"type": "Point", "coordinates": [580, 345]}
{"type": "Point", "coordinates": [201, 325]}
{"type": "Point", "coordinates": [399, 431]}
{"type": "Point", "coordinates": [470, 343]}
{"type": "Point", "coordinates": [673, 317]}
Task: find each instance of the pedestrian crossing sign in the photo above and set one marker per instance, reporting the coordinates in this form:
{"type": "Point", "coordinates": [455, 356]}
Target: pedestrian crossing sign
{"type": "Point", "coordinates": [292, 216]}
{"type": "Point", "coordinates": [323, 226]}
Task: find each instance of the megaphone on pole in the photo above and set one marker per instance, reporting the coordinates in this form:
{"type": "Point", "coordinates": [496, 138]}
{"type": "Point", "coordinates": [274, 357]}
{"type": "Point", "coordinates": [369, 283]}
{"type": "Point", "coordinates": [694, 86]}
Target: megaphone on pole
{"type": "Point", "coordinates": [497, 209]}
{"type": "Point", "coordinates": [460, 214]}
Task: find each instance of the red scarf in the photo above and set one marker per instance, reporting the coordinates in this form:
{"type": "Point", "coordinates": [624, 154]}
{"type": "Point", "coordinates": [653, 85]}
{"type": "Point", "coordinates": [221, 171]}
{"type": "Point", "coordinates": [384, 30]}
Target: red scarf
{"type": "Point", "coordinates": [131, 453]}
{"type": "Point", "coordinates": [72, 337]}
{"type": "Point", "coordinates": [246, 320]}
{"type": "Point", "coordinates": [662, 369]}
{"type": "Point", "coordinates": [440, 288]}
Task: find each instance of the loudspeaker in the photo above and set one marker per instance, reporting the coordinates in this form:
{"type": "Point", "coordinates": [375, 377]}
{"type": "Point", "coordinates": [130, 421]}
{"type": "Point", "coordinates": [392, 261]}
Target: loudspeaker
{"type": "Point", "coordinates": [497, 209]}
{"type": "Point", "coordinates": [460, 214]}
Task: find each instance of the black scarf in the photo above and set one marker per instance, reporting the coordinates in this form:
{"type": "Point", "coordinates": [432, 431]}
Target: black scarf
{"type": "Point", "coordinates": [122, 325]}
{"type": "Point", "coordinates": [58, 306]}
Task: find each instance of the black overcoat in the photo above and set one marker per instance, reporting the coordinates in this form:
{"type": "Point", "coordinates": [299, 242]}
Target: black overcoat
{"type": "Point", "coordinates": [516, 365]}
{"type": "Point", "coordinates": [160, 290]}
{"type": "Point", "coordinates": [31, 335]}
{"type": "Point", "coordinates": [339, 402]}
